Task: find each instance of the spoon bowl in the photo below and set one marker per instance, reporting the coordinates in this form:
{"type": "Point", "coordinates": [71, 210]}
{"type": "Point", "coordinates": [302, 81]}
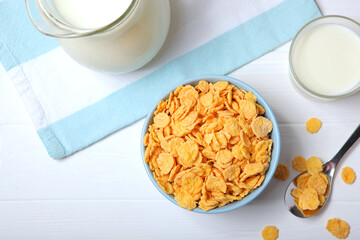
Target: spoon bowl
{"type": "Point", "coordinates": [329, 170]}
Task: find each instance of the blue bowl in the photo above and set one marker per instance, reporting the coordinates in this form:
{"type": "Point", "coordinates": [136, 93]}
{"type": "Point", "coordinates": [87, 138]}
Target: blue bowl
{"type": "Point", "coordinates": [275, 136]}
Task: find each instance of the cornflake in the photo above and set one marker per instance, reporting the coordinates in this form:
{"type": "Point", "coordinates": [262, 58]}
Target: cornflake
{"type": "Point", "coordinates": [282, 172]}
{"type": "Point", "coordinates": [261, 126]}
{"type": "Point", "coordinates": [309, 199]}
{"type": "Point", "coordinates": [314, 165]}
{"type": "Point", "coordinates": [299, 164]}
{"type": "Point", "coordinates": [313, 125]}
{"type": "Point", "coordinates": [338, 228]}
{"type": "Point", "coordinates": [348, 175]}
{"type": "Point", "coordinates": [312, 188]}
{"type": "Point", "coordinates": [270, 233]}
{"type": "Point", "coordinates": [165, 162]}
{"type": "Point", "coordinates": [209, 145]}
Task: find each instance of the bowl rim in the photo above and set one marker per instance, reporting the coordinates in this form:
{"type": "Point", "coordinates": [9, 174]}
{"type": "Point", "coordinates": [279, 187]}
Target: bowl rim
{"type": "Point", "coordinates": [275, 152]}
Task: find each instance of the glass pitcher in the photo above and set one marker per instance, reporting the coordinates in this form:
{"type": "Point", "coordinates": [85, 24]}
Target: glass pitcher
{"type": "Point", "coordinates": [125, 44]}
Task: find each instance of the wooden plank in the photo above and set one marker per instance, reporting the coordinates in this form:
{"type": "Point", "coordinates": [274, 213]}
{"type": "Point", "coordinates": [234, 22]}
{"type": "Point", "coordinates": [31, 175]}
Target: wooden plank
{"type": "Point", "coordinates": [112, 168]}
{"type": "Point", "coordinates": [51, 220]}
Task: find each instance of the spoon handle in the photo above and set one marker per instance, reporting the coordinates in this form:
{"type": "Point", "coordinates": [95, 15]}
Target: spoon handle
{"type": "Point", "coordinates": [354, 136]}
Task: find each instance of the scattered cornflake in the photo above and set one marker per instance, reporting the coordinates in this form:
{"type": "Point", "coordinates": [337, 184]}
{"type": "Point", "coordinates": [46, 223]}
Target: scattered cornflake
{"type": "Point", "coordinates": [338, 228]}
{"type": "Point", "coordinates": [270, 233]}
{"type": "Point", "coordinates": [313, 125]}
{"type": "Point", "coordinates": [282, 172]}
{"type": "Point", "coordinates": [299, 164]}
{"type": "Point", "coordinates": [348, 175]}
{"type": "Point", "coordinates": [209, 145]}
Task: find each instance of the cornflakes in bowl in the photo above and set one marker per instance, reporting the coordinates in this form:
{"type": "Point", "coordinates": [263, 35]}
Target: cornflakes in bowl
{"type": "Point", "coordinates": [211, 145]}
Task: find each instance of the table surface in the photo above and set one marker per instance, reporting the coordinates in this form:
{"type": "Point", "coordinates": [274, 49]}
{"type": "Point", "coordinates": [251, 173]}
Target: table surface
{"type": "Point", "coordinates": [103, 191]}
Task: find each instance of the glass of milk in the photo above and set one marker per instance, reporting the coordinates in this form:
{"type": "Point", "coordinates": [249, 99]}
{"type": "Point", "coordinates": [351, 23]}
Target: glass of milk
{"type": "Point", "coordinates": [325, 57]}
{"type": "Point", "coordinates": [115, 36]}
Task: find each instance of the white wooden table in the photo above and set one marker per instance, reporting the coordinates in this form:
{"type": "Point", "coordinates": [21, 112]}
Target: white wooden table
{"type": "Point", "coordinates": [103, 191]}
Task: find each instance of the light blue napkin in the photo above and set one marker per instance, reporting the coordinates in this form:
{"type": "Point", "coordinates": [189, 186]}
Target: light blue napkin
{"type": "Point", "coordinates": [22, 47]}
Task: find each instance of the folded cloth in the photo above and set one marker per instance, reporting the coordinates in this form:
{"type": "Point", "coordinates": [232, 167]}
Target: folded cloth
{"type": "Point", "coordinates": [73, 107]}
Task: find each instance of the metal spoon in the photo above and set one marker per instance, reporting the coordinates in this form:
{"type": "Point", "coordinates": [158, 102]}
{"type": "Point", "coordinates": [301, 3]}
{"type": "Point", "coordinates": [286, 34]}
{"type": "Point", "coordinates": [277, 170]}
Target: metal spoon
{"type": "Point", "coordinates": [329, 170]}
